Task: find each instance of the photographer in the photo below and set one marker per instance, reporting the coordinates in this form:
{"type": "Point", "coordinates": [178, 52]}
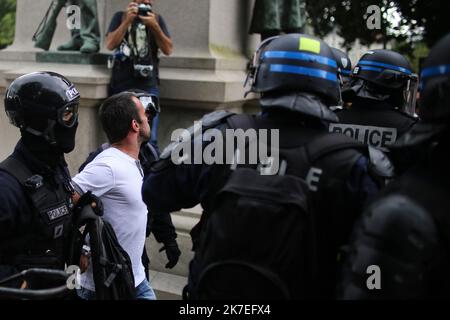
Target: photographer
{"type": "Point", "coordinates": [136, 36]}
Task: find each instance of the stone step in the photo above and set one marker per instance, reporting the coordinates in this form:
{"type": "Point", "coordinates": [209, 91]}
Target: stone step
{"type": "Point", "coordinates": [167, 286]}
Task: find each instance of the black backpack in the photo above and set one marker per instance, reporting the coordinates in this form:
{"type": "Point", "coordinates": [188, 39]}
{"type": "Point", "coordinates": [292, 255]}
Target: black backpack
{"type": "Point", "coordinates": [258, 241]}
{"type": "Point", "coordinates": [111, 264]}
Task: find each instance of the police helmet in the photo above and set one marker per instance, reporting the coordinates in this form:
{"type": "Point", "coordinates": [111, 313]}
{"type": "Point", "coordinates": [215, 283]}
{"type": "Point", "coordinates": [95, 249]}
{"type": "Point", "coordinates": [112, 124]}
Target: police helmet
{"type": "Point", "coordinates": [38, 101]}
{"type": "Point", "coordinates": [435, 83]}
{"type": "Point", "coordinates": [434, 103]}
{"type": "Point", "coordinates": [344, 65]}
{"type": "Point", "coordinates": [296, 72]}
{"type": "Point", "coordinates": [385, 74]}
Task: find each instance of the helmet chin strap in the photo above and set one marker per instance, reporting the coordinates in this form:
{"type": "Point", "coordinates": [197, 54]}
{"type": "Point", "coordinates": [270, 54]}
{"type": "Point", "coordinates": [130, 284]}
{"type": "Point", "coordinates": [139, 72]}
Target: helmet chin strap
{"type": "Point", "coordinates": [48, 134]}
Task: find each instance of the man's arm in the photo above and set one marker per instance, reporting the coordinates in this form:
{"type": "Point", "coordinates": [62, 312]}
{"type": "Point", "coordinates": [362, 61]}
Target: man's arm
{"type": "Point", "coordinates": [170, 187]}
{"type": "Point", "coordinates": [14, 211]}
{"type": "Point", "coordinates": [114, 38]}
{"type": "Point", "coordinates": [163, 41]}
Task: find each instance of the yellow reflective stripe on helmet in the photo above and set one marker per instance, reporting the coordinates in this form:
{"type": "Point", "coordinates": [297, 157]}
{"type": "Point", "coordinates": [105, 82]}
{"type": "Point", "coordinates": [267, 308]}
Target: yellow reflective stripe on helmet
{"type": "Point", "coordinates": [311, 45]}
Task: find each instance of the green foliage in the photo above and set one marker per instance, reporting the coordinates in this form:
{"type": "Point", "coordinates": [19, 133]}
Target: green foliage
{"type": "Point", "coordinates": [405, 21]}
{"type": "Point", "coordinates": [7, 22]}
{"type": "Point", "coordinates": [419, 51]}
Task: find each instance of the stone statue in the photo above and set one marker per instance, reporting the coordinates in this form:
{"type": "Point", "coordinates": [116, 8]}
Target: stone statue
{"type": "Point", "coordinates": [273, 17]}
{"type": "Point", "coordinates": [86, 39]}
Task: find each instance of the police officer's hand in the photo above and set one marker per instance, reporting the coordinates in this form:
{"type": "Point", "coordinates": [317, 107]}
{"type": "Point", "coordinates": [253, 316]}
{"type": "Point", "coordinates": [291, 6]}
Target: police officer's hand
{"type": "Point", "coordinates": [89, 198]}
{"type": "Point", "coordinates": [172, 252]}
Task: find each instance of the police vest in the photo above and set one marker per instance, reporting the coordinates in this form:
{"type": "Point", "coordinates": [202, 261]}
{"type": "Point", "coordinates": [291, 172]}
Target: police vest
{"type": "Point", "coordinates": [378, 128]}
{"type": "Point", "coordinates": [51, 221]}
{"type": "Point", "coordinates": [379, 137]}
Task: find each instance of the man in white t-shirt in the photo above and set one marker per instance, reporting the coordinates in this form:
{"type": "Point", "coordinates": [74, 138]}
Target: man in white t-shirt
{"type": "Point", "coordinates": [115, 176]}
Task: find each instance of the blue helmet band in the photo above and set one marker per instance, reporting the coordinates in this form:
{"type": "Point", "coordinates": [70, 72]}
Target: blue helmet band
{"type": "Point", "coordinates": [375, 64]}
{"type": "Point", "coordinates": [312, 72]}
{"type": "Point", "coordinates": [301, 56]}
{"type": "Point", "coordinates": [435, 71]}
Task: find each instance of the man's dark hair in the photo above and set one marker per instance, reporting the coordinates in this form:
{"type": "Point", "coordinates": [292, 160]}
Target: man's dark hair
{"type": "Point", "coordinates": [116, 115]}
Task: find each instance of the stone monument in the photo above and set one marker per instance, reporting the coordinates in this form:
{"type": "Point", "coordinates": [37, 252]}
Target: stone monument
{"type": "Point", "coordinates": [206, 72]}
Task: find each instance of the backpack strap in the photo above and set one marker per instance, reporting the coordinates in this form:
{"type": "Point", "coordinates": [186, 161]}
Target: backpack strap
{"type": "Point", "coordinates": [17, 169]}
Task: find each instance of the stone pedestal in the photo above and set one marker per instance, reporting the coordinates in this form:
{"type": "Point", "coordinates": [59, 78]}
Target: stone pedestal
{"type": "Point", "coordinates": [206, 72]}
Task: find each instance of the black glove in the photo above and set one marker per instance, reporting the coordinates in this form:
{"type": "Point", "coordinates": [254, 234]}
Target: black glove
{"type": "Point", "coordinates": [92, 200]}
{"type": "Point", "coordinates": [172, 253]}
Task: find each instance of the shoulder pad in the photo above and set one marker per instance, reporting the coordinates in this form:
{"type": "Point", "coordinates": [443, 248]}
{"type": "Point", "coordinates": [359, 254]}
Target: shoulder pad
{"type": "Point", "coordinates": [209, 120]}
{"type": "Point", "coordinates": [168, 150]}
{"type": "Point", "coordinates": [212, 119]}
{"type": "Point", "coordinates": [380, 164]}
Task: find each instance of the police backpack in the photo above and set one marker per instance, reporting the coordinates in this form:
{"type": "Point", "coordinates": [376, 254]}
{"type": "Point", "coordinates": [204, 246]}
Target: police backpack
{"type": "Point", "coordinates": [258, 241]}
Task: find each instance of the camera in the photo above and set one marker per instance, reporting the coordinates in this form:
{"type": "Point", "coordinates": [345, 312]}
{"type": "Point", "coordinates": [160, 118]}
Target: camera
{"type": "Point", "coordinates": [143, 70]}
{"type": "Point", "coordinates": [144, 9]}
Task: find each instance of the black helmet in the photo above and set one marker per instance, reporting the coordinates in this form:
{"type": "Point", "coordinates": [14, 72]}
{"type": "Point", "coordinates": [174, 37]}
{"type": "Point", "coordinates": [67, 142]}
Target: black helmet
{"type": "Point", "coordinates": [344, 65]}
{"type": "Point", "coordinates": [435, 83]}
{"type": "Point", "coordinates": [296, 72]}
{"type": "Point", "coordinates": [383, 75]}
{"type": "Point", "coordinates": [434, 96]}
{"type": "Point", "coordinates": [384, 68]}
{"type": "Point", "coordinates": [37, 101]}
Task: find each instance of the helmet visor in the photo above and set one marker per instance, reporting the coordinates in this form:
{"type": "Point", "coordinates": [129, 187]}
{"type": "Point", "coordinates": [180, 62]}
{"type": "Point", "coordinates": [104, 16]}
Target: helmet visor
{"type": "Point", "coordinates": [68, 115]}
{"type": "Point", "coordinates": [410, 95]}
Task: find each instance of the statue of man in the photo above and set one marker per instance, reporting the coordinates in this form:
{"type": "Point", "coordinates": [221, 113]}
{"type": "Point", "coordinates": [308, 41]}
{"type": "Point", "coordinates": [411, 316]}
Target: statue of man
{"type": "Point", "coordinates": [86, 39]}
{"type": "Point", "coordinates": [274, 17]}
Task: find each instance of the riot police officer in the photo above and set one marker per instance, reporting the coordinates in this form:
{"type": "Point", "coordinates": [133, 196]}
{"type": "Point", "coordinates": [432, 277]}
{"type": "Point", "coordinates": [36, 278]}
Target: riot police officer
{"type": "Point", "coordinates": [405, 234]}
{"type": "Point", "coordinates": [297, 78]}
{"type": "Point", "coordinates": [35, 188]}
{"type": "Point", "coordinates": [382, 92]}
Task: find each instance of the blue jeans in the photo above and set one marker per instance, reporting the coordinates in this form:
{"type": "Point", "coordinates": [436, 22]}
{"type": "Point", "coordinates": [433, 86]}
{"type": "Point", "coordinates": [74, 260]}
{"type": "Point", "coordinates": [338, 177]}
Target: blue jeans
{"type": "Point", "coordinates": [154, 136]}
{"type": "Point", "coordinates": [143, 292]}
{"type": "Point", "coordinates": [155, 122]}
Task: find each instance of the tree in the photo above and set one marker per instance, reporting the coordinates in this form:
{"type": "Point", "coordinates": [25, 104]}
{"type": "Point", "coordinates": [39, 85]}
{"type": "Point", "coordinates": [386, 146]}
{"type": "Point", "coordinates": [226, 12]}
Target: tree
{"type": "Point", "coordinates": [432, 15]}
{"type": "Point", "coordinates": [7, 22]}
{"type": "Point", "coordinates": [409, 21]}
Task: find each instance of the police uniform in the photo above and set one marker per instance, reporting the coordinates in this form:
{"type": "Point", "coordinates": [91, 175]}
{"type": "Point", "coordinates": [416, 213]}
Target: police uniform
{"type": "Point", "coordinates": [342, 180]}
{"type": "Point", "coordinates": [35, 212]}
{"type": "Point", "coordinates": [375, 123]}
{"type": "Point", "coordinates": [405, 233]}
{"type": "Point", "coordinates": [35, 189]}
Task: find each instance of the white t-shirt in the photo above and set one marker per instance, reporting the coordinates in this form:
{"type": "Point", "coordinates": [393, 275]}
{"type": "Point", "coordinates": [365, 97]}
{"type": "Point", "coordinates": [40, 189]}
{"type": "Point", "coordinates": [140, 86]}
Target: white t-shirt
{"type": "Point", "coordinates": [116, 178]}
